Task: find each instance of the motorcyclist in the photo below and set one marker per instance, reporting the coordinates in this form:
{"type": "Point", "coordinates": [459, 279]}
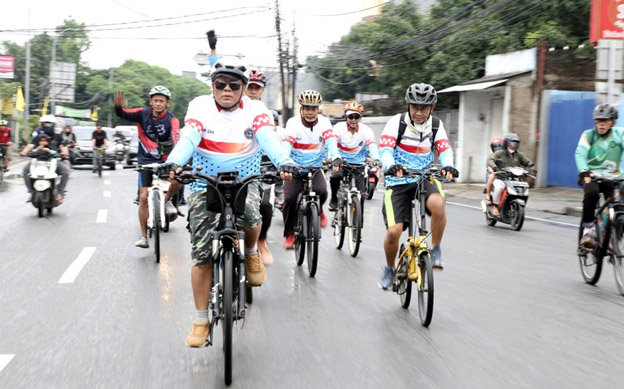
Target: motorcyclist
{"type": "Point", "coordinates": [496, 143]}
{"type": "Point", "coordinates": [599, 150]}
{"type": "Point", "coordinates": [509, 156]}
{"type": "Point", "coordinates": [5, 143]}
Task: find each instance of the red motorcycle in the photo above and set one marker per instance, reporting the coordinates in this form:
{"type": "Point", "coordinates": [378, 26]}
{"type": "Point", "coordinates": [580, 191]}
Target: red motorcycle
{"type": "Point", "coordinates": [371, 172]}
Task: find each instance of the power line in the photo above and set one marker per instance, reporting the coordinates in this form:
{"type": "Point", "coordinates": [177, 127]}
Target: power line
{"type": "Point", "coordinates": [346, 13]}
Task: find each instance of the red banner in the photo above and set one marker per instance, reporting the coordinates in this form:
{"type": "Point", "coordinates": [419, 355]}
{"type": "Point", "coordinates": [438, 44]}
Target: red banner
{"type": "Point", "coordinates": [606, 20]}
{"type": "Point", "coordinates": [6, 66]}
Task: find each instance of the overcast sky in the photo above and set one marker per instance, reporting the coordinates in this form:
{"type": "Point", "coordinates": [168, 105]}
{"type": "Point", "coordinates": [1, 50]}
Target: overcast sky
{"type": "Point", "coordinates": [112, 45]}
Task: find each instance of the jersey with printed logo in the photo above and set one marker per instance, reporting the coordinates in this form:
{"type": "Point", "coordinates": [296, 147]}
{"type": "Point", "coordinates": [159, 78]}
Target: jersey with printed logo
{"type": "Point", "coordinates": [157, 134]}
{"type": "Point", "coordinates": [5, 134]}
{"type": "Point", "coordinates": [353, 146]}
{"type": "Point", "coordinates": [600, 154]}
{"type": "Point", "coordinates": [415, 151]}
{"type": "Point", "coordinates": [309, 146]}
{"type": "Point", "coordinates": [220, 140]}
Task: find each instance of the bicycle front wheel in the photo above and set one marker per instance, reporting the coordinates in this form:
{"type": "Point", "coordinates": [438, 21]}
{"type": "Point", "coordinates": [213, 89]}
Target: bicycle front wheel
{"type": "Point", "coordinates": [618, 249]}
{"type": "Point", "coordinates": [156, 227]}
{"type": "Point", "coordinates": [339, 227]}
{"type": "Point", "coordinates": [355, 226]}
{"type": "Point", "coordinates": [228, 313]}
{"type": "Point", "coordinates": [590, 261]}
{"type": "Point", "coordinates": [312, 239]}
{"type": "Point", "coordinates": [404, 284]}
{"type": "Point", "coordinates": [425, 290]}
{"type": "Point", "coordinates": [300, 236]}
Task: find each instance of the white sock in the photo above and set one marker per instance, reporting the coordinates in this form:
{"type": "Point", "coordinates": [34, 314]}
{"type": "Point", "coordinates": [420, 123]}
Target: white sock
{"type": "Point", "coordinates": [202, 315]}
{"type": "Point", "coordinates": [588, 231]}
{"type": "Point", "coordinates": [251, 250]}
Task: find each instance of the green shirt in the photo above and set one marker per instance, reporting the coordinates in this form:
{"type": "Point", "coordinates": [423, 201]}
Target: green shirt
{"type": "Point", "coordinates": [506, 159]}
{"type": "Point", "coordinates": [600, 154]}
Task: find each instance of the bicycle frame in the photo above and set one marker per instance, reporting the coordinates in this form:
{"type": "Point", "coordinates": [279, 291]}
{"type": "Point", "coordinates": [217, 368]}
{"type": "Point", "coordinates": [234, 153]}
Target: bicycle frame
{"type": "Point", "coordinates": [348, 179]}
{"type": "Point", "coordinates": [156, 188]}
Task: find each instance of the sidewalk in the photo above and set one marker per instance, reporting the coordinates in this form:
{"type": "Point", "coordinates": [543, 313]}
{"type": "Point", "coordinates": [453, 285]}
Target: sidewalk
{"type": "Point", "coordinates": [556, 199]}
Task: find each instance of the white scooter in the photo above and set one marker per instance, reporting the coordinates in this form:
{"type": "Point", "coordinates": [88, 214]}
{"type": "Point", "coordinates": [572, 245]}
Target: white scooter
{"type": "Point", "coordinates": [43, 178]}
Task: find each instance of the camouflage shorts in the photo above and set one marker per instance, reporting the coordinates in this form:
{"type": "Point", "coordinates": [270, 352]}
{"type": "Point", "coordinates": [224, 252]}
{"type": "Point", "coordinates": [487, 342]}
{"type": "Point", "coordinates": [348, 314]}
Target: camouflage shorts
{"type": "Point", "coordinates": [203, 222]}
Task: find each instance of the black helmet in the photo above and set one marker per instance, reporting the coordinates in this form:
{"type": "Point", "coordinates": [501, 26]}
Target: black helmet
{"type": "Point", "coordinates": [233, 71]}
{"type": "Point", "coordinates": [424, 94]}
{"type": "Point", "coordinates": [605, 111]}
{"type": "Point", "coordinates": [497, 143]}
{"type": "Point", "coordinates": [512, 140]}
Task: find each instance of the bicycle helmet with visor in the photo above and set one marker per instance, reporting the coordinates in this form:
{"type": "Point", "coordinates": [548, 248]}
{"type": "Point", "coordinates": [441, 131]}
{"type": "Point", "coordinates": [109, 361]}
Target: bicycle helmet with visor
{"type": "Point", "coordinates": [420, 93]}
{"type": "Point", "coordinates": [257, 77]}
{"type": "Point", "coordinates": [160, 90]}
{"type": "Point", "coordinates": [310, 98]}
{"type": "Point", "coordinates": [353, 107]}
{"type": "Point", "coordinates": [605, 111]}
{"type": "Point", "coordinates": [237, 72]}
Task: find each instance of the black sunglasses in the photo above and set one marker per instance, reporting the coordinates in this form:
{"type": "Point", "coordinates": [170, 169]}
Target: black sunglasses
{"type": "Point", "coordinates": [234, 85]}
{"type": "Point", "coordinates": [353, 117]}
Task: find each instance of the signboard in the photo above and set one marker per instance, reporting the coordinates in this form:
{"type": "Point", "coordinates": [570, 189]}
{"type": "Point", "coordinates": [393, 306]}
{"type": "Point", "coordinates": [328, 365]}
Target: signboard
{"type": "Point", "coordinates": [7, 66]}
{"type": "Point", "coordinates": [72, 113]}
{"type": "Point", "coordinates": [606, 20]}
{"type": "Point", "coordinates": [62, 81]}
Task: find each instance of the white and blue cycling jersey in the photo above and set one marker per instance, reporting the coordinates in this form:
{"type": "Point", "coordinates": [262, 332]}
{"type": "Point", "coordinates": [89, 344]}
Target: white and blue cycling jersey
{"type": "Point", "coordinates": [353, 146]}
{"type": "Point", "coordinates": [221, 140]}
{"type": "Point", "coordinates": [309, 146]}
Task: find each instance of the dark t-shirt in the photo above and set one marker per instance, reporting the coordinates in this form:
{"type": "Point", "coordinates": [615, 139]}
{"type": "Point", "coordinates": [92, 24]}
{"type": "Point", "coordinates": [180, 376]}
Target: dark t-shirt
{"type": "Point", "coordinates": [99, 137]}
{"type": "Point", "coordinates": [55, 139]}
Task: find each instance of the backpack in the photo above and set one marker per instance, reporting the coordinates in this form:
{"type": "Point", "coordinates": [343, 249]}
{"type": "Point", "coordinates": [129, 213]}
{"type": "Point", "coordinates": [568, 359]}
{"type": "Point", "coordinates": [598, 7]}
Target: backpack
{"type": "Point", "coordinates": [435, 125]}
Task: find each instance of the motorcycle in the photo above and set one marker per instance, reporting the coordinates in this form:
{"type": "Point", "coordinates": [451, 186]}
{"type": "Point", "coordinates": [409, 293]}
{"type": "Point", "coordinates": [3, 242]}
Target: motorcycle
{"type": "Point", "coordinates": [513, 199]}
{"type": "Point", "coordinates": [43, 178]}
{"type": "Point", "coordinates": [371, 172]}
{"type": "Point", "coordinates": [121, 149]}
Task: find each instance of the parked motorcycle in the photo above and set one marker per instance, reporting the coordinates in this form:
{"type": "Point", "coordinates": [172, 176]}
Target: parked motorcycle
{"type": "Point", "coordinates": [43, 178]}
{"type": "Point", "coordinates": [513, 199]}
{"type": "Point", "coordinates": [371, 172]}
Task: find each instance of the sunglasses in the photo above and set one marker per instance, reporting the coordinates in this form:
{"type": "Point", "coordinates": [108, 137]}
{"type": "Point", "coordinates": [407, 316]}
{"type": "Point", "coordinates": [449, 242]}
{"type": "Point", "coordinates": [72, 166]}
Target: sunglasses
{"type": "Point", "coordinates": [234, 85]}
{"type": "Point", "coordinates": [353, 117]}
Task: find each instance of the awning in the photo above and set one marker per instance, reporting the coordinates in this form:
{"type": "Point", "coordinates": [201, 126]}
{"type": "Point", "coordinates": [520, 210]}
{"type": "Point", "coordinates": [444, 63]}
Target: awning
{"type": "Point", "coordinates": [477, 86]}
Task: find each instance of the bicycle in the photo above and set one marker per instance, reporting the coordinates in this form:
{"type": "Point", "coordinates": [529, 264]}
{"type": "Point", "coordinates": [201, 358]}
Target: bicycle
{"type": "Point", "coordinates": [609, 236]}
{"type": "Point", "coordinates": [308, 226]}
{"type": "Point", "coordinates": [414, 264]}
{"type": "Point", "coordinates": [349, 215]}
{"type": "Point", "coordinates": [99, 160]}
{"type": "Point", "coordinates": [229, 275]}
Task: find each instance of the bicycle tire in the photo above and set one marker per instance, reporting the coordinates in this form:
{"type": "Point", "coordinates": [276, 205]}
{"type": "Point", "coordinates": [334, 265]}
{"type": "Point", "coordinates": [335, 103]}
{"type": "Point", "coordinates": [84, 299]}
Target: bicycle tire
{"type": "Point", "coordinates": [228, 313]}
{"type": "Point", "coordinates": [425, 290]}
{"type": "Point", "coordinates": [156, 227]}
{"type": "Point", "coordinates": [300, 235]}
{"type": "Point", "coordinates": [618, 248]}
{"type": "Point", "coordinates": [312, 239]}
{"type": "Point", "coordinates": [588, 259]}
{"type": "Point", "coordinates": [40, 207]}
{"type": "Point", "coordinates": [355, 226]}
{"type": "Point", "coordinates": [339, 228]}
{"type": "Point", "coordinates": [518, 220]}
{"type": "Point", "coordinates": [370, 191]}
{"type": "Point", "coordinates": [404, 285]}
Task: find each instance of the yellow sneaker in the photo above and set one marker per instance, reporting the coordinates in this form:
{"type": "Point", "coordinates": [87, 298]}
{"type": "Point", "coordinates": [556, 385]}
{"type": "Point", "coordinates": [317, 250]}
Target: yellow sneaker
{"type": "Point", "coordinates": [198, 337]}
{"type": "Point", "coordinates": [255, 269]}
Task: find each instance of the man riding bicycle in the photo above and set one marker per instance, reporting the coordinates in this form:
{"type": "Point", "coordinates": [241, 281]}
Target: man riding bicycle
{"type": "Point", "coordinates": [158, 131]}
{"type": "Point", "coordinates": [224, 132]}
{"type": "Point", "coordinates": [307, 138]}
{"type": "Point", "coordinates": [355, 140]}
{"type": "Point", "coordinates": [407, 141]}
{"type": "Point", "coordinates": [99, 140]}
{"type": "Point", "coordinates": [509, 156]}
{"type": "Point", "coordinates": [599, 150]}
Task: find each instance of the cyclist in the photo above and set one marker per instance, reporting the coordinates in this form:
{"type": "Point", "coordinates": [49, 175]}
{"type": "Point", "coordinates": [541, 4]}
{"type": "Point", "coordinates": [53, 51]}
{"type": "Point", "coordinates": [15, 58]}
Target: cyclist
{"type": "Point", "coordinates": [99, 139]}
{"type": "Point", "coordinates": [5, 143]}
{"type": "Point", "coordinates": [509, 156]}
{"type": "Point", "coordinates": [308, 138]}
{"type": "Point", "coordinates": [407, 141]}
{"type": "Point", "coordinates": [158, 131]}
{"type": "Point", "coordinates": [599, 150]}
{"type": "Point", "coordinates": [355, 140]}
{"type": "Point", "coordinates": [223, 132]}
{"type": "Point", "coordinates": [47, 124]}
{"type": "Point", "coordinates": [279, 186]}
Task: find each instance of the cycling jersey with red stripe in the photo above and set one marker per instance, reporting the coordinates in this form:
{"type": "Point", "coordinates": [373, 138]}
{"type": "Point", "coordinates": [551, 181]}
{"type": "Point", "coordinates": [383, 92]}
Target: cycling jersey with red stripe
{"type": "Point", "coordinates": [310, 146]}
{"type": "Point", "coordinates": [353, 146]}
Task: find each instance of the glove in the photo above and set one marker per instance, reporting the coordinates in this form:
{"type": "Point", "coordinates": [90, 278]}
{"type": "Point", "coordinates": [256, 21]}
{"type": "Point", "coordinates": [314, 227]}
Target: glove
{"type": "Point", "coordinates": [376, 162]}
{"type": "Point", "coordinates": [584, 173]}
{"type": "Point", "coordinates": [452, 170]}
{"type": "Point", "coordinates": [337, 162]}
{"type": "Point", "coordinates": [212, 39]}
{"type": "Point", "coordinates": [392, 170]}
{"type": "Point", "coordinates": [289, 168]}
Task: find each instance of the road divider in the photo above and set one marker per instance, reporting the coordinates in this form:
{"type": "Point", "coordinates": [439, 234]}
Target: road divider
{"type": "Point", "coordinates": [74, 269]}
{"type": "Point", "coordinates": [4, 360]}
{"type": "Point", "coordinates": [102, 215]}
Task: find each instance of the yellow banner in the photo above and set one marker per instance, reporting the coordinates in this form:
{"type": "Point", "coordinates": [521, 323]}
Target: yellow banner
{"type": "Point", "coordinates": [20, 103]}
{"type": "Point", "coordinates": [44, 111]}
{"type": "Point", "coordinates": [7, 105]}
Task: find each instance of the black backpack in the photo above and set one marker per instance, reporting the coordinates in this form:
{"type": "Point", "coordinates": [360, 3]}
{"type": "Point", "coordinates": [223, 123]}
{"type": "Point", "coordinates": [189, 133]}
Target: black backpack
{"type": "Point", "coordinates": [435, 125]}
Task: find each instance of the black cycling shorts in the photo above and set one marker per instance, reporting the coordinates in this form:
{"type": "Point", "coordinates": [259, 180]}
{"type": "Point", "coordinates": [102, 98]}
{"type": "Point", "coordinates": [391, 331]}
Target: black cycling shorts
{"type": "Point", "coordinates": [397, 204]}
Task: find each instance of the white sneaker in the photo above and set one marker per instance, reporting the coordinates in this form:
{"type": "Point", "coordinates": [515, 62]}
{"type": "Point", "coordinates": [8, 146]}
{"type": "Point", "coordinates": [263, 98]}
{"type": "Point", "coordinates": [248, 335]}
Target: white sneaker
{"type": "Point", "coordinates": [170, 209]}
{"type": "Point", "coordinates": [142, 243]}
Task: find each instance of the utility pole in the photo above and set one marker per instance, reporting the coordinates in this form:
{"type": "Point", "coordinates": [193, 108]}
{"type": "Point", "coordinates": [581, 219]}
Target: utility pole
{"type": "Point", "coordinates": [27, 85]}
{"type": "Point", "coordinates": [285, 110]}
{"type": "Point", "coordinates": [295, 65]}
{"type": "Point", "coordinates": [52, 96]}
{"type": "Point", "coordinates": [110, 87]}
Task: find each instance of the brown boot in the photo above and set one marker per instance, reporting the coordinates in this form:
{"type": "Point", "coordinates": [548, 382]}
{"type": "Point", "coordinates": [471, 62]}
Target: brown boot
{"type": "Point", "coordinates": [255, 269]}
{"type": "Point", "coordinates": [265, 253]}
{"type": "Point", "coordinates": [198, 337]}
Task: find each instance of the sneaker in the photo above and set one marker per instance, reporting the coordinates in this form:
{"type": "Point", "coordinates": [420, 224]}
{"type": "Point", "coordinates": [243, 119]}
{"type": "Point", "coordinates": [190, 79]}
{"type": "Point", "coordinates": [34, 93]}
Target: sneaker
{"type": "Point", "coordinates": [289, 242]}
{"type": "Point", "coordinates": [182, 202]}
{"type": "Point", "coordinates": [588, 241]}
{"type": "Point", "coordinates": [198, 337]}
{"type": "Point", "coordinates": [436, 258]}
{"type": "Point", "coordinates": [142, 243]}
{"type": "Point", "coordinates": [170, 209]}
{"type": "Point", "coordinates": [386, 279]}
{"type": "Point", "coordinates": [333, 204]}
{"type": "Point", "coordinates": [324, 221]}
{"type": "Point", "coordinates": [265, 253]}
{"type": "Point", "coordinates": [255, 269]}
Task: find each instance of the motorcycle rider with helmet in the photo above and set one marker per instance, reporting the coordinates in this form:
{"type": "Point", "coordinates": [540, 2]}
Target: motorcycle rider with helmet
{"type": "Point", "coordinates": [599, 150]}
{"type": "Point", "coordinates": [509, 156]}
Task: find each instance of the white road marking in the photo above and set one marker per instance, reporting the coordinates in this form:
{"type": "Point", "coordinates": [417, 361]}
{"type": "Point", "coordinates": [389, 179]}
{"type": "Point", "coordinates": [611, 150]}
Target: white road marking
{"type": "Point", "coordinates": [102, 215]}
{"type": "Point", "coordinates": [4, 360]}
{"type": "Point", "coordinates": [107, 193]}
{"type": "Point", "coordinates": [106, 182]}
{"type": "Point", "coordinates": [72, 271]}
{"type": "Point", "coordinates": [526, 217]}
{"type": "Point", "coordinates": [105, 174]}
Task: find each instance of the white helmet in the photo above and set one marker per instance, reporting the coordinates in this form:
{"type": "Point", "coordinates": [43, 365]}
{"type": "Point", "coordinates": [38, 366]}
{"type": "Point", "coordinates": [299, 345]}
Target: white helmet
{"type": "Point", "coordinates": [47, 119]}
{"type": "Point", "coordinates": [160, 90]}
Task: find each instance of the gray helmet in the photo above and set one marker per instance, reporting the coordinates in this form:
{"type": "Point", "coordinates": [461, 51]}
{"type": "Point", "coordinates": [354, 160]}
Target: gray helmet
{"type": "Point", "coordinates": [424, 94]}
{"type": "Point", "coordinates": [160, 90]}
{"type": "Point", "coordinates": [605, 111]}
{"type": "Point", "coordinates": [511, 137]}
{"type": "Point", "coordinates": [238, 72]}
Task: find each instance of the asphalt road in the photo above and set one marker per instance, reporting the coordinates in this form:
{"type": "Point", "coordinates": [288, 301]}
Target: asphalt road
{"type": "Point", "coordinates": [81, 307]}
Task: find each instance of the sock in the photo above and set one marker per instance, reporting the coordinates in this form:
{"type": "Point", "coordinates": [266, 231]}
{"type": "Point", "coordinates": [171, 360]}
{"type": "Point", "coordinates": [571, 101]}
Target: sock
{"type": "Point", "coordinates": [587, 231]}
{"type": "Point", "coordinates": [251, 250]}
{"type": "Point", "coordinates": [202, 315]}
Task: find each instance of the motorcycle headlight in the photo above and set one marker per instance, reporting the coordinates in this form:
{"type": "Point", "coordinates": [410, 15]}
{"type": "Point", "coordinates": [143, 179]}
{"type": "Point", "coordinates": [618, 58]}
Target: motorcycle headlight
{"type": "Point", "coordinates": [41, 185]}
{"type": "Point", "coordinates": [41, 171]}
{"type": "Point", "coordinates": [110, 150]}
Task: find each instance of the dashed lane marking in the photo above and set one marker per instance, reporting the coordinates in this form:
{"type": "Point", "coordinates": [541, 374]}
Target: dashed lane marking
{"type": "Point", "coordinates": [106, 182]}
{"type": "Point", "coordinates": [74, 269]}
{"type": "Point", "coordinates": [102, 215]}
{"type": "Point", "coordinates": [107, 194]}
{"type": "Point", "coordinates": [4, 360]}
